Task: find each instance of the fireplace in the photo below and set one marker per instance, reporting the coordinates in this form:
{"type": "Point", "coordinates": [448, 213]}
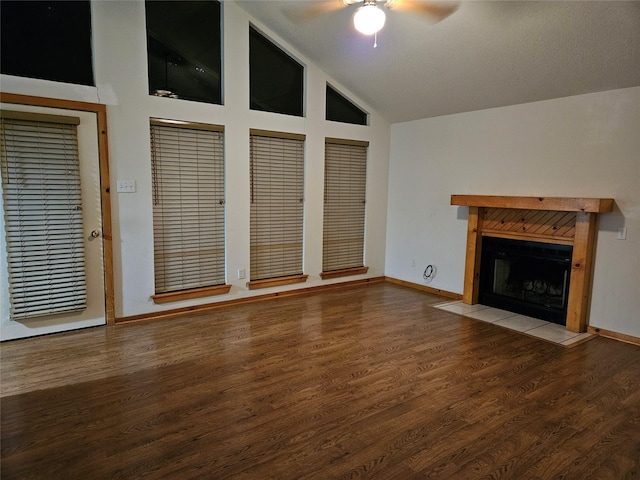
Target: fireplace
{"type": "Point", "coordinates": [530, 278]}
{"type": "Point", "coordinates": [554, 221]}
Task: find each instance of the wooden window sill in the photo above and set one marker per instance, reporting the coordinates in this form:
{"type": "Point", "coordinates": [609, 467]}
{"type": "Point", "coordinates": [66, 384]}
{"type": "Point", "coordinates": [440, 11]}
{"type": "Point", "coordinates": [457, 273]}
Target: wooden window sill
{"type": "Point", "coordinates": [274, 282]}
{"type": "Point", "coordinates": [345, 272]}
{"type": "Point", "coordinates": [188, 294]}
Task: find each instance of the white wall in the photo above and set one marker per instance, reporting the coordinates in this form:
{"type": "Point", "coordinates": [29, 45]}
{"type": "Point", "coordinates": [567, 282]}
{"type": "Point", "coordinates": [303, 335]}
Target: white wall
{"type": "Point", "coordinates": [581, 146]}
{"type": "Point", "coordinates": [121, 77]}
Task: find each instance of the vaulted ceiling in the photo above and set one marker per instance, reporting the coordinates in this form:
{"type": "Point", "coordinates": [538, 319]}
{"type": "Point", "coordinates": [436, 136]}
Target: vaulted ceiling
{"type": "Point", "coordinates": [486, 54]}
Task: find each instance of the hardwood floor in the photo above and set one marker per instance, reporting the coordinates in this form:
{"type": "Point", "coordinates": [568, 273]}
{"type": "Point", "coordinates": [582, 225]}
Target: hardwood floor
{"type": "Point", "coordinates": [357, 382]}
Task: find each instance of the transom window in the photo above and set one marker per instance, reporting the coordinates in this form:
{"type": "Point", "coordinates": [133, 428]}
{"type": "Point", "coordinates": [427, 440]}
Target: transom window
{"type": "Point", "coordinates": [340, 109]}
{"type": "Point", "coordinates": [50, 40]}
{"type": "Point", "coordinates": [184, 49]}
{"type": "Point", "coordinates": [276, 79]}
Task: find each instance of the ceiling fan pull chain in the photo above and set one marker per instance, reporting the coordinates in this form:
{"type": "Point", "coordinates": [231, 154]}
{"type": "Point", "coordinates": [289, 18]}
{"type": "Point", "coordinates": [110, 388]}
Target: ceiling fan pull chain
{"type": "Point", "coordinates": [375, 40]}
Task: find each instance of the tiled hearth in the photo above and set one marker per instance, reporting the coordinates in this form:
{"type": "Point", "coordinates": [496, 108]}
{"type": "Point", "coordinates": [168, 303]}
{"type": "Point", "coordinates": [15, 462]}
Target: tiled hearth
{"type": "Point", "coordinates": [528, 325]}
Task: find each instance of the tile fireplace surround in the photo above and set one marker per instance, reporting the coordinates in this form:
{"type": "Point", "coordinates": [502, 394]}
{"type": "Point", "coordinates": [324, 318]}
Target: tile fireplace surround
{"type": "Point", "coordinates": [559, 220]}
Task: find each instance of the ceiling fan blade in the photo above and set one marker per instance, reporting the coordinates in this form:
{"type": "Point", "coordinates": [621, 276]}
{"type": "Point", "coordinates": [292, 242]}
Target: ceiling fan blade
{"type": "Point", "coordinates": [300, 12]}
{"type": "Point", "coordinates": [437, 10]}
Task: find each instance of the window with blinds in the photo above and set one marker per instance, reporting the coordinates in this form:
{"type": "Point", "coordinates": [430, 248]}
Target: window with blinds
{"type": "Point", "coordinates": [187, 165]}
{"type": "Point", "coordinates": [43, 214]}
{"type": "Point", "coordinates": [344, 205]}
{"type": "Point", "coordinates": [277, 204]}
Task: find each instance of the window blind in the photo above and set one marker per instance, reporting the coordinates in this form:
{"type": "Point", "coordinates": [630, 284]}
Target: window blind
{"type": "Point", "coordinates": [43, 214]}
{"type": "Point", "coordinates": [188, 206]}
{"type": "Point", "coordinates": [277, 206]}
{"type": "Point", "coordinates": [344, 205]}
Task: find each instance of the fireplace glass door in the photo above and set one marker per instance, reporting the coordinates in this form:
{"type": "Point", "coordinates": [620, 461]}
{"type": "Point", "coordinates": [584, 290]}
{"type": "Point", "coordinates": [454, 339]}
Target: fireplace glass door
{"type": "Point", "coordinates": [530, 278]}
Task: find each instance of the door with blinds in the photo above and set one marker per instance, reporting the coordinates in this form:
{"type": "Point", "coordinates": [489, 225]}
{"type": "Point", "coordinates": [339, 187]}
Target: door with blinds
{"type": "Point", "coordinates": [51, 248]}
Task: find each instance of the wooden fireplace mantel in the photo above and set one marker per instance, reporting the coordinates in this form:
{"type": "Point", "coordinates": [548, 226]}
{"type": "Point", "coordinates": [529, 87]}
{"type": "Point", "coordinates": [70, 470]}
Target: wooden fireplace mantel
{"type": "Point", "coordinates": [559, 204]}
{"type": "Point", "coordinates": [565, 220]}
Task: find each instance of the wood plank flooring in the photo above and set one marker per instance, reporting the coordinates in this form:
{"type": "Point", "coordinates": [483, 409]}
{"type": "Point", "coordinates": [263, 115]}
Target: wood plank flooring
{"type": "Point", "coordinates": [357, 382]}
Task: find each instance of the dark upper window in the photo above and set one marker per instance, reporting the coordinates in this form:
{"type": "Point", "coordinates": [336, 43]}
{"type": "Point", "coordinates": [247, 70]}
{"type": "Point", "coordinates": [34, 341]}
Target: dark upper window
{"type": "Point", "coordinates": [339, 109]}
{"type": "Point", "coordinates": [48, 40]}
{"type": "Point", "coordinates": [184, 49]}
{"type": "Point", "coordinates": [276, 79]}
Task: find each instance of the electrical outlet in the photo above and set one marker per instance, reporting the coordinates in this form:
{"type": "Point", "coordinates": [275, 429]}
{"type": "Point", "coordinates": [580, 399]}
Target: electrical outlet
{"type": "Point", "coordinates": [622, 233]}
{"type": "Point", "coordinates": [126, 186]}
{"type": "Point", "coordinates": [242, 273]}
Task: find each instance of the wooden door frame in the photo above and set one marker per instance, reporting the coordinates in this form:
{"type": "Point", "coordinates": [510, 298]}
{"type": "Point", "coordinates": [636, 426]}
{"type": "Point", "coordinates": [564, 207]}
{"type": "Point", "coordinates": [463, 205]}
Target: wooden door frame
{"type": "Point", "coordinates": [105, 197]}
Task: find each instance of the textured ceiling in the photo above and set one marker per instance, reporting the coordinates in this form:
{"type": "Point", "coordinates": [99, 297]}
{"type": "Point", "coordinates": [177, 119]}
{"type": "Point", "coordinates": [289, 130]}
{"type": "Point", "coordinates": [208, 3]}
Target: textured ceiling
{"type": "Point", "coordinates": [486, 54]}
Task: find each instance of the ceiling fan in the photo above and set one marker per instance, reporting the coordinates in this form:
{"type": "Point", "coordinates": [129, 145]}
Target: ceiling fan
{"type": "Point", "coordinates": [369, 18]}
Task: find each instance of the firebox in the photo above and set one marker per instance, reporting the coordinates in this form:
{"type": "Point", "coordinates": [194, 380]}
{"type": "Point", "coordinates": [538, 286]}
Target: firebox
{"type": "Point", "coordinates": [530, 278]}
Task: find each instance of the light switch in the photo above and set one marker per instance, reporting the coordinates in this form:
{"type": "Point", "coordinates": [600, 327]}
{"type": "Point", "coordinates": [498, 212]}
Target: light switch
{"type": "Point", "coordinates": [126, 186]}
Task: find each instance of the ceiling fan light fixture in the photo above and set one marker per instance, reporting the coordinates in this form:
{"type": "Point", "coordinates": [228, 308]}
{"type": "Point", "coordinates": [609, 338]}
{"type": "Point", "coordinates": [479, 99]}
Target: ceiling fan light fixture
{"type": "Point", "coordinates": [368, 19]}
